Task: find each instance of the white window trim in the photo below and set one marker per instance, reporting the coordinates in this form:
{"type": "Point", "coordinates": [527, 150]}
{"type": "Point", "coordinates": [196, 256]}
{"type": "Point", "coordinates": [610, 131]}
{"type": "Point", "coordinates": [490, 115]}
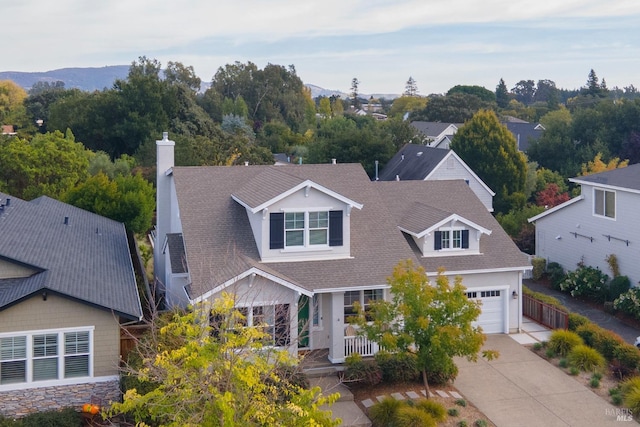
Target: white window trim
{"type": "Point", "coordinates": [306, 246]}
{"type": "Point", "coordinates": [361, 297]}
{"type": "Point", "coordinates": [249, 316]}
{"type": "Point", "coordinates": [450, 248]}
{"type": "Point", "coordinates": [29, 383]}
{"type": "Point", "coordinates": [318, 299]}
{"type": "Point", "coordinates": [615, 203]}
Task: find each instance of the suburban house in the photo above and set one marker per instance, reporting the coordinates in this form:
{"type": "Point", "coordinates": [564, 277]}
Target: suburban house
{"type": "Point", "coordinates": [422, 163]}
{"type": "Point", "coordinates": [66, 285]}
{"type": "Point", "coordinates": [436, 134]}
{"type": "Point", "coordinates": [298, 245]}
{"type": "Point", "coordinates": [603, 220]}
{"type": "Point", "coordinates": [525, 133]}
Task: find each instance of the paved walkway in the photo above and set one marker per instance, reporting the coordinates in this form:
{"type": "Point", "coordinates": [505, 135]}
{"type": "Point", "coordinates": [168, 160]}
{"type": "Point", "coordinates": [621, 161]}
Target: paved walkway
{"type": "Point", "coordinates": [607, 321]}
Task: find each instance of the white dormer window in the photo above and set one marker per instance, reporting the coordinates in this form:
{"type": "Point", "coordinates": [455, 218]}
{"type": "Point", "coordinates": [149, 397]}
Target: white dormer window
{"type": "Point", "coordinates": [451, 239]}
{"type": "Point", "coordinates": [306, 228]}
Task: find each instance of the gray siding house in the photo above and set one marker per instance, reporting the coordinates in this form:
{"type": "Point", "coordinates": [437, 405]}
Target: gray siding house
{"type": "Point", "coordinates": [297, 246]}
{"type": "Point", "coordinates": [603, 220]}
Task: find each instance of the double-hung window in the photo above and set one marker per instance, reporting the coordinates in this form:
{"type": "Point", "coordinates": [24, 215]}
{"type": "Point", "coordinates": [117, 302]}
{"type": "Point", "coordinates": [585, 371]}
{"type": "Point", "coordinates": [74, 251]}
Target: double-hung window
{"type": "Point", "coordinates": [364, 298]}
{"type": "Point", "coordinates": [306, 228]}
{"type": "Point", "coordinates": [604, 203]}
{"type": "Point", "coordinates": [45, 356]}
{"type": "Point", "coordinates": [451, 239]}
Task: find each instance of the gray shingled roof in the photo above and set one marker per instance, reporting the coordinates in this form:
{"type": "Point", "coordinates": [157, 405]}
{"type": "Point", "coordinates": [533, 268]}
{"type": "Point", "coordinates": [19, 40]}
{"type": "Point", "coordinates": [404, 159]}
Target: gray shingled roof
{"type": "Point", "coordinates": [88, 259]}
{"type": "Point", "coordinates": [220, 245]}
{"type": "Point", "coordinates": [431, 129]}
{"type": "Point", "coordinates": [525, 133]}
{"type": "Point", "coordinates": [409, 164]}
{"type": "Point", "coordinates": [418, 217]}
{"type": "Point", "coordinates": [627, 177]}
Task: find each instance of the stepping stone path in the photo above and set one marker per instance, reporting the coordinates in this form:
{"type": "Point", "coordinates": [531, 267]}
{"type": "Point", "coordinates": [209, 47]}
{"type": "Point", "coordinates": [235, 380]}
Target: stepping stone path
{"type": "Point", "coordinates": [367, 403]}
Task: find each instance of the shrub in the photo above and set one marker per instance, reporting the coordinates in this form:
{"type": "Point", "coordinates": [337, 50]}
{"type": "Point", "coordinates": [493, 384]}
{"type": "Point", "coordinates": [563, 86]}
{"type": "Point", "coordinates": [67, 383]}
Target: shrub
{"type": "Point", "coordinates": [480, 423]}
{"type": "Point", "coordinates": [586, 281]}
{"type": "Point", "coordinates": [433, 408]}
{"type": "Point", "coordinates": [576, 320]}
{"type": "Point", "coordinates": [398, 367]}
{"type": "Point", "coordinates": [563, 363]}
{"type": "Point", "coordinates": [586, 358]}
{"type": "Point", "coordinates": [616, 399]}
{"type": "Point", "coordinates": [588, 332]}
{"type": "Point", "coordinates": [594, 383]}
{"type": "Point", "coordinates": [597, 375]}
{"type": "Point", "coordinates": [443, 372]}
{"type": "Point", "coordinates": [358, 370]}
{"type": "Point", "coordinates": [414, 417]}
{"type": "Point", "coordinates": [539, 264]}
{"type": "Point", "coordinates": [618, 286]}
{"type": "Point", "coordinates": [462, 423]}
{"type": "Point", "coordinates": [612, 260]}
{"type": "Point", "coordinates": [629, 303]}
{"type": "Point", "coordinates": [550, 353]}
{"type": "Point", "coordinates": [384, 413]}
{"type": "Point", "coordinates": [574, 371]}
{"type": "Point", "coordinates": [537, 346]}
{"type": "Point", "coordinates": [561, 341]}
{"type": "Point", "coordinates": [555, 274]}
{"type": "Point", "coordinates": [630, 384]}
{"type": "Point", "coordinates": [606, 342]}
{"type": "Point", "coordinates": [453, 412]}
{"type": "Point", "coordinates": [67, 417]}
{"type": "Point", "coordinates": [626, 360]}
{"type": "Point", "coordinates": [631, 400]}
{"type": "Point", "coordinates": [461, 402]}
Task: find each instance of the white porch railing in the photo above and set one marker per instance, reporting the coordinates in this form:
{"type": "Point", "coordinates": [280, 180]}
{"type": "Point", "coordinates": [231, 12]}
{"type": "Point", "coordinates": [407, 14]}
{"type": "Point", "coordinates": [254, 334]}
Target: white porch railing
{"type": "Point", "coordinates": [354, 343]}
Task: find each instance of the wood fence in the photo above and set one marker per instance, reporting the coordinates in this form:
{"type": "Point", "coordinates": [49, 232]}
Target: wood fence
{"type": "Point", "coordinates": [129, 336]}
{"type": "Point", "coordinates": [544, 314]}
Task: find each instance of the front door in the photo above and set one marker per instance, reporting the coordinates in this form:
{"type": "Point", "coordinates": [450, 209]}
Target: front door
{"type": "Point", "coordinates": [303, 321]}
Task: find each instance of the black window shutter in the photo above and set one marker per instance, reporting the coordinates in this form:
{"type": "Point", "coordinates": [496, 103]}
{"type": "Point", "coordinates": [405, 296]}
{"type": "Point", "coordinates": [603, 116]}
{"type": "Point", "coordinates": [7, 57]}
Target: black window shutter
{"type": "Point", "coordinates": [276, 230]}
{"type": "Point", "coordinates": [335, 228]}
{"type": "Point", "coordinates": [465, 239]}
{"type": "Point", "coordinates": [437, 240]}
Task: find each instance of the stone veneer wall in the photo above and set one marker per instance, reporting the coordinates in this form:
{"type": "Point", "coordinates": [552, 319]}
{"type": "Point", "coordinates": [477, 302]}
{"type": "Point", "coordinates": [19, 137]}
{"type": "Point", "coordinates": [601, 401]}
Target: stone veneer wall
{"type": "Point", "coordinates": [18, 403]}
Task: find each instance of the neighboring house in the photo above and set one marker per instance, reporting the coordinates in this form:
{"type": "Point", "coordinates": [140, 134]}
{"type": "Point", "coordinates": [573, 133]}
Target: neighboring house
{"type": "Point", "coordinates": [8, 130]}
{"type": "Point", "coordinates": [298, 246]}
{"type": "Point", "coordinates": [436, 134]}
{"type": "Point", "coordinates": [525, 133]}
{"type": "Point", "coordinates": [418, 162]}
{"type": "Point", "coordinates": [66, 284]}
{"type": "Point", "coordinates": [602, 221]}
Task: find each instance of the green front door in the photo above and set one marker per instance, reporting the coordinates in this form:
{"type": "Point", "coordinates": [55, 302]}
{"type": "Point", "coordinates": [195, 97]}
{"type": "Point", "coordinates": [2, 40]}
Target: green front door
{"type": "Point", "coordinates": [303, 321]}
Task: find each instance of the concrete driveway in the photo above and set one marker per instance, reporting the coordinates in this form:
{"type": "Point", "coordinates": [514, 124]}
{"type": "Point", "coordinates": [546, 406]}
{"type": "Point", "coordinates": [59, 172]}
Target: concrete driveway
{"type": "Point", "coordinates": [521, 389]}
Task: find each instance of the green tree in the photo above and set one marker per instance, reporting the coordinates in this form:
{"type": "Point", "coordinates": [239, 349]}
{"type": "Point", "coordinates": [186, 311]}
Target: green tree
{"type": "Point", "coordinates": [432, 319]}
{"type": "Point", "coordinates": [218, 373]}
{"type": "Point", "coordinates": [177, 73]}
{"type": "Point", "coordinates": [490, 150]}
{"type": "Point", "coordinates": [555, 149]}
{"type": "Point", "coordinates": [355, 101]}
{"type": "Point", "coordinates": [455, 108]}
{"type": "Point", "coordinates": [502, 94]}
{"type": "Point", "coordinates": [324, 108]}
{"type": "Point", "coordinates": [12, 109]}
{"type": "Point", "coordinates": [410, 88]}
{"type": "Point", "coordinates": [524, 91]}
{"type": "Point", "coordinates": [50, 164]}
{"type": "Point", "coordinates": [481, 92]}
{"type": "Point", "coordinates": [407, 104]}
{"type": "Point", "coordinates": [127, 199]}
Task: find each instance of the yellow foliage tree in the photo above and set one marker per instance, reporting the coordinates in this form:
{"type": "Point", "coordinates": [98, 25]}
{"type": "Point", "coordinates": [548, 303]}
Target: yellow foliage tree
{"type": "Point", "coordinates": [597, 165]}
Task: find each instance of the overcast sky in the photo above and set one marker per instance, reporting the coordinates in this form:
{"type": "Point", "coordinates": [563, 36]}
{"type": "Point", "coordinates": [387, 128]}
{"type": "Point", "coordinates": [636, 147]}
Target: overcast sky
{"type": "Point", "coordinates": [440, 43]}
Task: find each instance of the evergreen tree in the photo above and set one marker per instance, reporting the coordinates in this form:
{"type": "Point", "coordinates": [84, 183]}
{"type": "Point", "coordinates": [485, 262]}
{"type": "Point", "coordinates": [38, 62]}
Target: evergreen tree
{"type": "Point", "coordinates": [502, 94]}
{"type": "Point", "coordinates": [411, 87]}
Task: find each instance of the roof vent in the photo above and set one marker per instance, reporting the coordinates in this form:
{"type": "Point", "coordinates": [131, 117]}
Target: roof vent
{"type": "Point", "coordinates": [333, 161]}
{"type": "Point", "coordinates": [397, 177]}
{"type": "Point", "coordinates": [402, 157]}
{"type": "Point", "coordinates": [246, 163]}
{"type": "Point", "coordinates": [8, 202]}
{"type": "Point", "coordinates": [419, 153]}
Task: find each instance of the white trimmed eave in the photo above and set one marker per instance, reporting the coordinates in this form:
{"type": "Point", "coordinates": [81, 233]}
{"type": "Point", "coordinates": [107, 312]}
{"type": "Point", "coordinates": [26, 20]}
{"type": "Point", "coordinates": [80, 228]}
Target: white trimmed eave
{"type": "Point", "coordinates": [464, 165]}
{"type": "Point", "coordinates": [453, 218]}
{"type": "Point", "coordinates": [257, 272]}
{"type": "Point", "coordinates": [307, 185]}
{"type": "Point", "coordinates": [606, 186]}
{"type": "Point", "coordinates": [482, 271]}
{"type": "Point", "coordinates": [350, 288]}
{"type": "Point", "coordinates": [556, 208]}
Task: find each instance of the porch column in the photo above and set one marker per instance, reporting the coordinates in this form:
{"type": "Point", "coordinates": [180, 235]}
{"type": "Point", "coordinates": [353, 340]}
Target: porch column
{"type": "Point", "coordinates": [336, 328]}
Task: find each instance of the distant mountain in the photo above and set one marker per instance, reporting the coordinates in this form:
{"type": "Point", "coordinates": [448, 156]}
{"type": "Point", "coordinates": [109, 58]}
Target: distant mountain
{"type": "Point", "coordinates": [88, 79]}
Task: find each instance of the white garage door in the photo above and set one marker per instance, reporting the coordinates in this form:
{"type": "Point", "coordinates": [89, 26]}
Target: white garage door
{"type": "Point", "coordinates": [491, 318]}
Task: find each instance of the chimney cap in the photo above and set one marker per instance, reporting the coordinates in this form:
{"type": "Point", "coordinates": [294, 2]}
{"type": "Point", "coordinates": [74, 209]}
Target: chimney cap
{"type": "Point", "coordinates": [165, 140]}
